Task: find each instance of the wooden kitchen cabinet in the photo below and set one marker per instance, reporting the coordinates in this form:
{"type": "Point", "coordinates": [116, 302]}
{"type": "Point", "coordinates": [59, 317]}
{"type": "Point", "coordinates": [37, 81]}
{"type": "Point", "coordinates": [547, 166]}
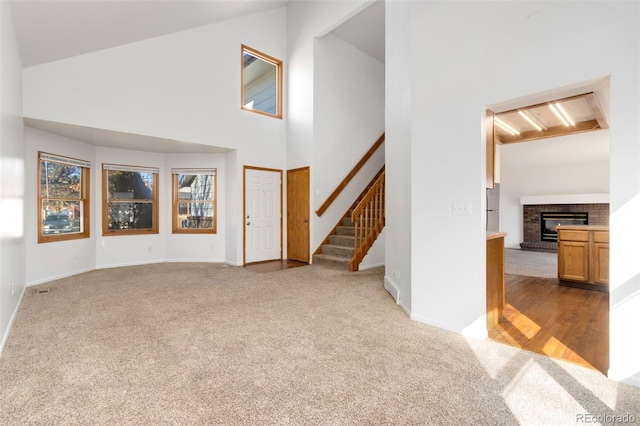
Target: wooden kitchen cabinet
{"type": "Point", "coordinates": [583, 255]}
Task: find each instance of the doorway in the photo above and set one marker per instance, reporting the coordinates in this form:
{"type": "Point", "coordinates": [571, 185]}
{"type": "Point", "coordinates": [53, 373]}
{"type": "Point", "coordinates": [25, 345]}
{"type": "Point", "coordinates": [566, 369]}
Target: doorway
{"type": "Point", "coordinates": [557, 163]}
{"type": "Point", "coordinates": [262, 214]}
{"type": "Point", "coordinates": [298, 214]}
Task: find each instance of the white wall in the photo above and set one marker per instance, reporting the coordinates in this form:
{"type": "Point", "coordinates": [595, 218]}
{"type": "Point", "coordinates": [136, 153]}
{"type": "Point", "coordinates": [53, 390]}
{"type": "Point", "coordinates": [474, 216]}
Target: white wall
{"type": "Point", "coordinates": [575, 164]}
{"type": "Point", "coordinates": [183, 86]}
{"type": "Point", "coordinates": [307, 20]}
{"type": "Point", "coordinates": [191, 247]}
{"type": "Point", "coordinates": [398, 117]}
{"type": "Point", "coordinates": [457, 68]}
{"type": "Point", "coordinates": [12, 248]}
{"type": "Point", "coordinates": [348, 118]}
{"type": "Point", "coordinates": [49, 261]}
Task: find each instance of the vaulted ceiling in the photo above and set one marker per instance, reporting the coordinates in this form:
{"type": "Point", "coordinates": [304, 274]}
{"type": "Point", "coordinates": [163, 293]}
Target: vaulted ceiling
{"type": "Point", "coordinates": [49, 30]}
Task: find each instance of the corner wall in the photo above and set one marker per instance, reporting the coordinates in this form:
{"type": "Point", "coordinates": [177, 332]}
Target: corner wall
{"type": "Point", "coordinates": [49, 261]}
{"type": "Point", "coordinates": [456, 70]}
{"type": "Point", "coordinates": [12, 246]}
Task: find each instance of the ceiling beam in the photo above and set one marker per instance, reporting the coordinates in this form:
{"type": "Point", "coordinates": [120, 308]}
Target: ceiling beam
{"type": "Point", "coordinates": [583, 126]}
{"type": "Point", "coordinates": [593, 102]}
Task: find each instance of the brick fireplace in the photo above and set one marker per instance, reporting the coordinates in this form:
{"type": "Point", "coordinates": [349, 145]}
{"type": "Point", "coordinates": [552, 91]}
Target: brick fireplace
{"type": "Point", "coordinates": [597, 213]}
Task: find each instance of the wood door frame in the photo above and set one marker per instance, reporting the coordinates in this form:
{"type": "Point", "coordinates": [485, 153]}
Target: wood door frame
{"type": "Point", "coordinates": [244, 207]}
{"type": "Point", "coordinates": [298, 169]}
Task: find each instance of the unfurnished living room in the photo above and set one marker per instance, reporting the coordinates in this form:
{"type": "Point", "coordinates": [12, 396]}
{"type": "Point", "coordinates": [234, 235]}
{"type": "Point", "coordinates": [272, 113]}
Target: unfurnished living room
{"type": "Point", "coordinates": [284, 212]}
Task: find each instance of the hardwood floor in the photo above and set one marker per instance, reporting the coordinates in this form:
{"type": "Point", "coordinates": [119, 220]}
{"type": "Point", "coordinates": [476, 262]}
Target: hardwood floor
{"type": "Point", "coordinates": [274, 265]}
{"type": "Point", "coordinates": [566, 323]}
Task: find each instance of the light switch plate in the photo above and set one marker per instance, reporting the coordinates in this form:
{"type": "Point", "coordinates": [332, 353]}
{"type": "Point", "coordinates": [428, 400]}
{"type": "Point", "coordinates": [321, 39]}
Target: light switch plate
{"type": "Point", "coordinates": [461, 209]}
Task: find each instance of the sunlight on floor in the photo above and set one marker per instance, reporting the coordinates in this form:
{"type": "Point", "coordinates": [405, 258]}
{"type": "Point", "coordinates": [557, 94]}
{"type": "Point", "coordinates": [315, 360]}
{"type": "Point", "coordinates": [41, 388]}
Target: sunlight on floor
{"type": "Point", "coordinates": [523, 323]}
{"type": "Point", "coordinates": [533, 379]}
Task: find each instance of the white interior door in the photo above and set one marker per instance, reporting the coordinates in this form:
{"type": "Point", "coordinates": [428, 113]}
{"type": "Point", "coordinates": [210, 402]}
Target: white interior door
{"type": "Point", "coordinates": [262, 215]}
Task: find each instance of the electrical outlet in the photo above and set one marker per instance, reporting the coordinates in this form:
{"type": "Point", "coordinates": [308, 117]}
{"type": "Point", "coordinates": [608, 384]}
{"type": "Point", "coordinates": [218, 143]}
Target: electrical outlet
{"type": "Point", "coordinates": [13, 289]}
{"type": "Point", "coordinates": [150, 249]}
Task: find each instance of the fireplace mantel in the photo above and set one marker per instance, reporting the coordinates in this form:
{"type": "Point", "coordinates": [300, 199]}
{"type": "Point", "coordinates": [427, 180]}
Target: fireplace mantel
{"type": "Point", "coordinates": [564, 199]}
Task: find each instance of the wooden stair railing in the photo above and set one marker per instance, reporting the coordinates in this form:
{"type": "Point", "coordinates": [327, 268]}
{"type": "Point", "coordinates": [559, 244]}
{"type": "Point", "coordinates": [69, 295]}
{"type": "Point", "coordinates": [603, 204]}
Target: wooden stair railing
{"type": "Point", "coordinates": [332, 197]}
{"type": "Point", "coordinates": [368, 219]}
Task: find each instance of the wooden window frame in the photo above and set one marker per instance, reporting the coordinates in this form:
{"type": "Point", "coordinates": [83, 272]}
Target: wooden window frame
{"type": "Point", "coordinates": [105, 200]}
{"type": "Point", "coordinates": [175, 217]}
{"type": "Point", "coordinates": [279, 79]}
{"type": "Point", "coordinates": [85, 182]}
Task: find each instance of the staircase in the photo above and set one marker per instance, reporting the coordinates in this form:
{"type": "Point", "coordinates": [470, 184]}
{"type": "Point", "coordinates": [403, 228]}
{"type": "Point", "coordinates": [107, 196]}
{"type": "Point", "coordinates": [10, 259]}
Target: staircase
{"type": "Point", "coordinates": [339, 249]}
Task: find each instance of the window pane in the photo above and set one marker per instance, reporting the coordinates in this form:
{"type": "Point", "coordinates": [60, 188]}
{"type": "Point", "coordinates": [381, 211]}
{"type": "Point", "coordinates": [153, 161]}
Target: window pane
{"type": "Point", "coordinates": [61, 217]}
{"type": "Point", "coordinates": [60, 180]}
{"type": "Point", "coordinates": [260, 84]}
{"type": "Point", "coordinates": [130, 186]}
{"type": "Point", "coordinates": [195, 187]}
{"type": "Point", "coordinates": [197, 215]}
{"type": "Point", "coordinates": [123, 215]}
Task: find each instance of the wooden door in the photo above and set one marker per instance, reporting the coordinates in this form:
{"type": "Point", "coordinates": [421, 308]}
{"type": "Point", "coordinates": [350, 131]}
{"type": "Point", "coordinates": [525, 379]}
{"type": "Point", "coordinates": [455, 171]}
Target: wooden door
{"type": "Point", "coordinates": [298, 214]}
{"type": "Point", "coordinates": [262, 214]}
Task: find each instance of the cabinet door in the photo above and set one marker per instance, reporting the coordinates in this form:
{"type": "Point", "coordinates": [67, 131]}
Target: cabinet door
{"type": "Point", "coordinates": [573, 261]}
{"type": "Point", "coordinates": [600, 263]}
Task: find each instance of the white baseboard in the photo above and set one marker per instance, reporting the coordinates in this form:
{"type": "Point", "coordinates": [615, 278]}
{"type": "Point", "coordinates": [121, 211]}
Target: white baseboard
{"type": "Point", "coordinates": [365, 267]}
{"type": "Point", "coordinates": [392, 288]}
{"type": "Point", "coordinates": [58, 277]}
{"type": "Point", "coordinates": [122, 265]}
{"type": "Point", "coordinates": [435, 323]}
{"type": "Point", "coordinates": [193, 261]}
{"type": "Point", "coordinates": [7, 331]}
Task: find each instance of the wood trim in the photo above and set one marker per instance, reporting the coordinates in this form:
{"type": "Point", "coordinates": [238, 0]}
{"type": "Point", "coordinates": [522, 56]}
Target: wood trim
{"type": "Point", "coordinates": [490, 148]}
{"type": "Point", "coordinates": [279, 76]}
{"type": "Point", "coordinates": [86, 208]}
{"type": "Point", "coordinates": [175, 201]}
{"type": "Point", "coordinates": [106, 232]}
{"type": "Point", "coordinates": [597, 111]}
{"type": "Point", "coordinates": [584, 126]}
{"type": "Point", "coordinates": [368, 218]}
{"type": "Point", "coordinates": [244, 208]}
{"type": "Point", "coordinates": [568, 98]}
{"type": "Point", "coordinates": [336, 192]}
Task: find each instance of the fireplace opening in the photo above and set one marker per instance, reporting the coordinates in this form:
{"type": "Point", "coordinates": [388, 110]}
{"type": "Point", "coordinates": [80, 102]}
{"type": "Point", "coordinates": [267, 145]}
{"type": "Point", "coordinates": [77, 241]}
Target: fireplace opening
{"type": "Point", "coordinates": [550, 221]}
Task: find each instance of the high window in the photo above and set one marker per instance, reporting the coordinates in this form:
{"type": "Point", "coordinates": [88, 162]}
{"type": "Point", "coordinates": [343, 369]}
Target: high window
{"type": "Point", "coordinates": [129, 200]}
{"type": "Point", "coordinates": [63, 198]}
{"type": "Point", "coordinates": [194, 201]}
{"type": "Point", "coordinates": [261, 83]}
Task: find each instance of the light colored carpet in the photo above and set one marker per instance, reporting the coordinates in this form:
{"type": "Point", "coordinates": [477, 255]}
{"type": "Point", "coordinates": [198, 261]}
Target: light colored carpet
{"type": "Point", "coordinates": [531, 263]}
{"type": "Point", "coordinates": [211, 344]}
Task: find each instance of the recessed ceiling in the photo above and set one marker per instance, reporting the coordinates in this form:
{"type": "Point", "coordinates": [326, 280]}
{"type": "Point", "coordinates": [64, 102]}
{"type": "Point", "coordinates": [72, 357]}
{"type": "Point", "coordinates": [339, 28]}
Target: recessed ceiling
{"type": "Point", "coordinates": [559, 117]}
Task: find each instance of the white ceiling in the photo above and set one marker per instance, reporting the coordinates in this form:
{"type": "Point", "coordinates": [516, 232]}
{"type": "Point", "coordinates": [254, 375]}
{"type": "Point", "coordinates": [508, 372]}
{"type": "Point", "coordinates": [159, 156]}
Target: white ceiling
{"type": "Point", "coordinates": [365, 31]}
{"type": "Point", "coordinates": [50, 30]}
{"type": "Point", "coordinates": [121, 140]}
